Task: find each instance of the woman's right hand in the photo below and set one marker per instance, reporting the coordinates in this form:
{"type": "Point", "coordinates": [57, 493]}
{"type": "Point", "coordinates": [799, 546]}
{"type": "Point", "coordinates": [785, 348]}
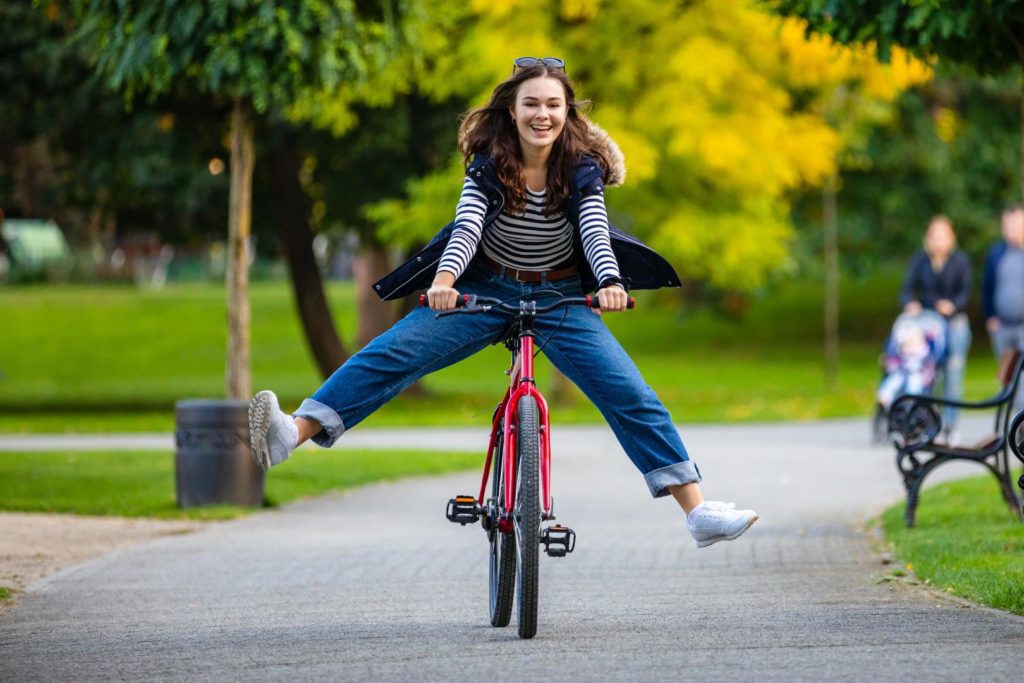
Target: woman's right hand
{"type": "Point", "coordinates": [442, 295]}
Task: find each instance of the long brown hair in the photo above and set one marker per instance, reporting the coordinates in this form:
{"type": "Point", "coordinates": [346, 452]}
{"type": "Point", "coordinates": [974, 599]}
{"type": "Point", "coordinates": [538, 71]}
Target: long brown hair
{"type": "Point", "coordinates": [490, 129]}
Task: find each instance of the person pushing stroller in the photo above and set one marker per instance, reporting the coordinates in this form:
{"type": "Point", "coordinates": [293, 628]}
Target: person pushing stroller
{"type": "Point", "coordinates": [939, 280]}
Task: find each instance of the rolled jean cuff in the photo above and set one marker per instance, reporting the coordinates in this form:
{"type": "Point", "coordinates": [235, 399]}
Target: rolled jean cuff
{"type": "Point", "coordinates": [659, 480]}
{"type": "Point", "coordinates": [332, 425]}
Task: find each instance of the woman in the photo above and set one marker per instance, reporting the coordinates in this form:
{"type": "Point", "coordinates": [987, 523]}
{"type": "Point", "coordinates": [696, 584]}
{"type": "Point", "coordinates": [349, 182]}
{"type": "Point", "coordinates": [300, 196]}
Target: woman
{"type": "Point", "coordinates": [531, 222]}
{"type": "Point", "coordinates": [939, 279]}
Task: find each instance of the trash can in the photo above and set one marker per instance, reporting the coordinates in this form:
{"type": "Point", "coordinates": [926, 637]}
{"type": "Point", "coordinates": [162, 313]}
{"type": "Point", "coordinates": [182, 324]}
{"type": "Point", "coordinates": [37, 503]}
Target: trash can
{"type": "Point", "coordinates": [212, 461]}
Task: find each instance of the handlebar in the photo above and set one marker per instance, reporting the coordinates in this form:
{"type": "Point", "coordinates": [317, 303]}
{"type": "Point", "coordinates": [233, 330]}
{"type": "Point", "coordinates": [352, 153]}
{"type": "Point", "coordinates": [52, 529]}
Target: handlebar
{"type": "Point", "coordinates": [471, 303]}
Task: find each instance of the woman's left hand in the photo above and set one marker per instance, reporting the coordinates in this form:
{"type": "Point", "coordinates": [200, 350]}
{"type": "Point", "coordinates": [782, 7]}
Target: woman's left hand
{"type": "Point", "coordinates": [612, 298]}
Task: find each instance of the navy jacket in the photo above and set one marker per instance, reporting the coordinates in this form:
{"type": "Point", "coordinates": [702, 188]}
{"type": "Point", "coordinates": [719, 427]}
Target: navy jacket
{"type": "Point", "coordinates": [988, 278]}
{"type": "Point", "coordinates": [925, 285]}
{"type": "Point", "coordinates": [639, 265]}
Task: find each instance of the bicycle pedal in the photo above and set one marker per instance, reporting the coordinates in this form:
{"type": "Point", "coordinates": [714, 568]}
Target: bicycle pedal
{"type": "Point", "coordinates": [558, 540]}
{"type": "Point", "coordinates": [463, 510]}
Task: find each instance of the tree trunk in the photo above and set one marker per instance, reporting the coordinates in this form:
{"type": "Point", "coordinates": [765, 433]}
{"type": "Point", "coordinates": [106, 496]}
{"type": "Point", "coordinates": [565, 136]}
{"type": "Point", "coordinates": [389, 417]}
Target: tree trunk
{"type": "Point", "coordinates": [238, 374]}
{"type": "Point", "coordinates": [831, 240]}
{"type": "Point", "coordinates": [371, 264]}
{"type": "Point", "coordinates": [297, 238]}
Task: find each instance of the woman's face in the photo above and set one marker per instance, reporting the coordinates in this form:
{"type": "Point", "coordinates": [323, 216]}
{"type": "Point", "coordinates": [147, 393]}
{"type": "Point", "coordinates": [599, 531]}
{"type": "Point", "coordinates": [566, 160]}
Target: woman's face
{"type": "Point", "coordinates": [939, 240]}
{"type": "Point", "coordinates": [539, 111]}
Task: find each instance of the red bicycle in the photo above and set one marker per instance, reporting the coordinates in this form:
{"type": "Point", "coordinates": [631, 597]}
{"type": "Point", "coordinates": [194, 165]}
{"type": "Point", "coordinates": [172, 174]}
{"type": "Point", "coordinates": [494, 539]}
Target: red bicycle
{"type": "Point", "coordinates": [519, 468]}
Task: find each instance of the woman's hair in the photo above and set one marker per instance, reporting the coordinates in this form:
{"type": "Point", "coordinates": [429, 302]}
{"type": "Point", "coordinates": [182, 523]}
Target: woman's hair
{"type": "Point", "coordinates": [490, 129]}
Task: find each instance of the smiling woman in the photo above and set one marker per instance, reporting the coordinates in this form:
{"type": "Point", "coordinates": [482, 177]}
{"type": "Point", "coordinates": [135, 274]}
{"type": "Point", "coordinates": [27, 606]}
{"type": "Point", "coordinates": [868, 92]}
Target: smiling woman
{"type": "Point", "coordinates": [531, 223]}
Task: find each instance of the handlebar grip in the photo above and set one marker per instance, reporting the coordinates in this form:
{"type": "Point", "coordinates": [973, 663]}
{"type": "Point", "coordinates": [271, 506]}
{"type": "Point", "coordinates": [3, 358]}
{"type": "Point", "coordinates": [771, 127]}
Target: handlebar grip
{"type": "Point", "coordinates": [460, 302]}
{"type": "Point", "coordinates": [593, 302]}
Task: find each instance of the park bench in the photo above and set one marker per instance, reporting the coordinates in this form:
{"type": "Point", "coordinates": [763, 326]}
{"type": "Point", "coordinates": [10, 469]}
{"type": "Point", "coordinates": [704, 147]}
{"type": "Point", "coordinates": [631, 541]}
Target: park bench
{"type": "Point", "coordinates": [915, 422]}
{"type": "Point", "coordinates": [1017, 446]}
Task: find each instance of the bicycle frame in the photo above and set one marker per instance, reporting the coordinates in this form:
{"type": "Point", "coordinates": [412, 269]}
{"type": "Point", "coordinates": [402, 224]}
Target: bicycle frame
{"type": "Point", "coordinates": [522, 384]}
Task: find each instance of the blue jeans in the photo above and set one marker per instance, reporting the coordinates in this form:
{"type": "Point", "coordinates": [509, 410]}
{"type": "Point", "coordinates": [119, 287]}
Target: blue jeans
{"type": "Point", "coordinates": [959, 343]}
{"type": "Point", "coordinates": [574, 339]}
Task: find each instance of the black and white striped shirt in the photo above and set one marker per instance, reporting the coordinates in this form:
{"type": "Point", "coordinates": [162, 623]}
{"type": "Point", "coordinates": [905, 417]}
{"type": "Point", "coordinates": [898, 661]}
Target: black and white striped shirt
{"type": "Point", "coordinates": [530, 241]}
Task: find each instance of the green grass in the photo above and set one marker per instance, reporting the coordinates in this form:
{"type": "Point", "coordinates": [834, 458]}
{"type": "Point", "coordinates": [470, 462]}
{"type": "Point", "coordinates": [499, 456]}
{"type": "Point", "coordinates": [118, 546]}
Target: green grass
{"type": "Point", "coordinates": [141, 484]}
{"type": "Point", "coordinates": [5, 593]}
{"type": "Point", "coordinates": [966, 542]}
{"type": "Point", "coordinates": [115, 358]}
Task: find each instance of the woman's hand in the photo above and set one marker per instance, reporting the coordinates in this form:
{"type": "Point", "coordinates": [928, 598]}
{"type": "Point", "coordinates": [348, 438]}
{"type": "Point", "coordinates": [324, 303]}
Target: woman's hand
{"type": "Point", "coordinates": [612, 298]}
{"type": "Point", "coordinates": [442, 295]}
{"type": "Point", "coordinates": [912, 307]}
{"type": "Point", "coordinates": [945, 307]}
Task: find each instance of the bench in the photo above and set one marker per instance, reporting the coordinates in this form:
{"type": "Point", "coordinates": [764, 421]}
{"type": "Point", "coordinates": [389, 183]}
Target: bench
{"type": "Point", "coordinates": [1017, 446]}
{"type": "Point", "coordinates": [915, 422]}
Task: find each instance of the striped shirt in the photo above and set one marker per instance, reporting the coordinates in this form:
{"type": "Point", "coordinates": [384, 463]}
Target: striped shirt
{"type": "Point", "coordinates": [531, 240]}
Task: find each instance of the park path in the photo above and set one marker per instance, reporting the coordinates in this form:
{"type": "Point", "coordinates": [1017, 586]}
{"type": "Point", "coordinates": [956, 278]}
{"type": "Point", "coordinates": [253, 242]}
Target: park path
{"type": "Point", "coordinates": [375, 584]}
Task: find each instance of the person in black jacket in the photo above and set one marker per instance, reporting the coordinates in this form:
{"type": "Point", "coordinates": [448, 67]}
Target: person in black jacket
{"type": "Point", "coordinates": [531, 223]}
{"type": "Point", "coordinates": [939, 279]}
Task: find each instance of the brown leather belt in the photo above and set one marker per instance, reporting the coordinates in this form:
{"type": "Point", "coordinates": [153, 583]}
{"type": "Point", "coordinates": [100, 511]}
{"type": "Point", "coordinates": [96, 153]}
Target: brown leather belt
{"type": "Point", "coordinates": [529, 276]}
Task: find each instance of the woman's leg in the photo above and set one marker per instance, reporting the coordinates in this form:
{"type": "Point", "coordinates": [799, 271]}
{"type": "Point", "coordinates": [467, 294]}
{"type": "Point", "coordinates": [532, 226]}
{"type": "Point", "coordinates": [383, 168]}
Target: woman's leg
{"type": "Point", "coordinates": [589, 355]}
{"type": "Point", "coordinates": [956, 361]}
{"type": "Point", "coordinates": [415, 346]}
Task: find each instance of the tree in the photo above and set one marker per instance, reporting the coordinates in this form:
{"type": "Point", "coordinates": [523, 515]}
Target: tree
{"type": "Point", "coordinates": [716, 106]}
{"type": "Point", "coordinates": [985, 36]}
{"type": "Point", "coordinates": [70, 151]}
{"type": "Point", "coordinates": [258, 57]}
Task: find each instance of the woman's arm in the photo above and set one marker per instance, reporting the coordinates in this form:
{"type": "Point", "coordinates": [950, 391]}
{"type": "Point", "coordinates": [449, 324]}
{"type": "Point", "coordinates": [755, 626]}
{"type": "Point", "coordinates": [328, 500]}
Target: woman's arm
{"type": "Point", "coordinates": [597, 245]}
{"type": "Point", "coordinates": [469, 223]}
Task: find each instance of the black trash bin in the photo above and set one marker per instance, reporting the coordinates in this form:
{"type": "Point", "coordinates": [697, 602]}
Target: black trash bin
{"type": "Point", "coordinates": [213, 464]}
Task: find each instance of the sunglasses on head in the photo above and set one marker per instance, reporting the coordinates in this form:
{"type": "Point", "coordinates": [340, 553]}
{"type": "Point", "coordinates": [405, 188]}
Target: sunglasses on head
{"type": "Point", "coordinates": [553, 63]}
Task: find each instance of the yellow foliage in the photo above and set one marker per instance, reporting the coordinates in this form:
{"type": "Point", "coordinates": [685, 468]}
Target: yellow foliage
{"type": "Point", "coordinates": [576, 10]}
{"type": "Point", "coordinates": [721, 109]}
{"type": "Point", "coordinates": [946, 123]}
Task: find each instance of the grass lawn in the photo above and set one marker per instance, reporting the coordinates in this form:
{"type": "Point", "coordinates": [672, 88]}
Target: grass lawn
{"type": "Point", "coordinates": [966, 542]}
{"type": "Point", "coordinates": [141, 484]}
{"type": "Point", "coordinates": [116, 358]}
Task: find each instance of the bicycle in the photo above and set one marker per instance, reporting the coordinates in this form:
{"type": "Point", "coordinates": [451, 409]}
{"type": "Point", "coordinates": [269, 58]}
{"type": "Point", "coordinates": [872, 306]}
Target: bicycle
{"type": "Point", "coordinates": [518, 465]}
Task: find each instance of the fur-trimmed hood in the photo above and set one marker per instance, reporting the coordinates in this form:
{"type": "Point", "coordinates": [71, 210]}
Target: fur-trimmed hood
{"type": "Point", "coordinates": [607, 153]}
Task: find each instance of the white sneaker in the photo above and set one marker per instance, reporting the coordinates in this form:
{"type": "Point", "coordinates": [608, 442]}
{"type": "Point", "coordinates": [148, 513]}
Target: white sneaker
{"type": "Point", "coordinates": [713, 521]}
{"type": "Point", "coordinates": [272, 434]}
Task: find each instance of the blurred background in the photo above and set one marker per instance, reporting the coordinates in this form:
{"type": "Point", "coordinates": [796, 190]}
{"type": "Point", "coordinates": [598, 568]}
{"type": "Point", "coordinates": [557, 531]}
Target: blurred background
{"type": "Point", "coordinates": [788, 178]}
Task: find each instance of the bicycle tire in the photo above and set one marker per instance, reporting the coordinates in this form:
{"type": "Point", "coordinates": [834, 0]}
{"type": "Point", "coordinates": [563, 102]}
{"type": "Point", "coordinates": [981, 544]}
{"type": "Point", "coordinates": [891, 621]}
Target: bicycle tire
{"type": "Point", "coordinates": [527, 516]}
{"type": "Point", "coordinates": [502, 554]}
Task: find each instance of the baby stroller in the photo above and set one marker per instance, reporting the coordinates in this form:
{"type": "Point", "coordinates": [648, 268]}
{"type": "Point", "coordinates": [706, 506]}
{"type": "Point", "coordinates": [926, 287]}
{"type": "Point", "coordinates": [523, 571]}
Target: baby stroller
{"type": "Point", "coordinates": [914, 353]}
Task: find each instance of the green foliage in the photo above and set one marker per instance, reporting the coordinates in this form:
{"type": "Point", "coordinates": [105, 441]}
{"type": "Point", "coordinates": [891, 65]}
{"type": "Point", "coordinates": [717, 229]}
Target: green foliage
{"type": "Point", "coordinates": [263, 53]}
{"type": "Point", "coordinates": [141, 484]}
{"type": "Point", "coordinates": [988, 36]}
{"type": "Point", "coordinates": [70, 152]}
{"type": "Point", "coordinates": [966, 542]}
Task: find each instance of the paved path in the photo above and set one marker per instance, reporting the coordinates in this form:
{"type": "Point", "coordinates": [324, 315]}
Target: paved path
{"type": "Point", "coordinates": [376, 585]}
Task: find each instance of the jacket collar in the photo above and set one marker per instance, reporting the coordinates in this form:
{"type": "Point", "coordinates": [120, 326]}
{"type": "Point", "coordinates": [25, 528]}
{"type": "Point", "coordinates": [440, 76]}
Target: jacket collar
{"type": "Point", "coordinates": [482, 167]}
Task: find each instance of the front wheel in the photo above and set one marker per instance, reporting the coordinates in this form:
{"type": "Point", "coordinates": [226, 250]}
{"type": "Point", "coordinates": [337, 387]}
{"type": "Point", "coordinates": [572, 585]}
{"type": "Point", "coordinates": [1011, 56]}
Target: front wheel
{"type": "Point", "coordinates": [502, 565]}
{"type": "Point", "coordinates": [527, 516]}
